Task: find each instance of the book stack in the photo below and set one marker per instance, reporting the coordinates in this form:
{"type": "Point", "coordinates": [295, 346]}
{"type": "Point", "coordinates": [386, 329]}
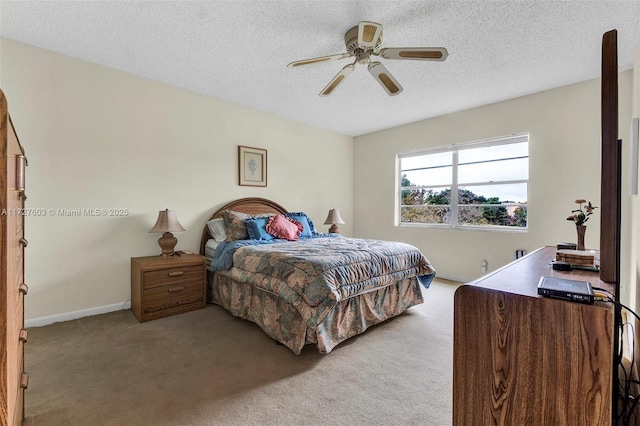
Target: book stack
{"type": "Point", "coordinates": [575, 257]}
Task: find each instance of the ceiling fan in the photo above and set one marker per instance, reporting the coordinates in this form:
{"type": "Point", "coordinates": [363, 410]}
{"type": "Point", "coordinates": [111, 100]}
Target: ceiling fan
{"type": "Point", "coordinates": [363, 41]}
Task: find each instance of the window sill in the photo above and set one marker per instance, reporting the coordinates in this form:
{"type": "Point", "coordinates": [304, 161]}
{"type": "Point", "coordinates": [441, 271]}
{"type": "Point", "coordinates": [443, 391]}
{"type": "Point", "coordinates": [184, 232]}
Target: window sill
{"type": "Point", "coordinates": [465, 228]}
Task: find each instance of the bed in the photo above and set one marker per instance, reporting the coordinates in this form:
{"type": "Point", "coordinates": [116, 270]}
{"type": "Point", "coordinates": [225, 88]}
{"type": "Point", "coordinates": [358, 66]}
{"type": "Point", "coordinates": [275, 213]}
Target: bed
{"type": "Point", "coordinates": [318, 289]}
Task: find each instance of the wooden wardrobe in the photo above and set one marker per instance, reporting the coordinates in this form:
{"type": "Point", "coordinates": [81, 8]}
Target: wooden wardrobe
{"type": "Point", "coordinates": [13, 336]}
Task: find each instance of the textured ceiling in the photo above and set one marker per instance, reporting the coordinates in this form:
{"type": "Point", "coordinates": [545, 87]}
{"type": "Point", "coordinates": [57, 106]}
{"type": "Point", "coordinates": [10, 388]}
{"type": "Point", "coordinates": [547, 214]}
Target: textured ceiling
{"type": "Point", "coordinates": [238, 50]}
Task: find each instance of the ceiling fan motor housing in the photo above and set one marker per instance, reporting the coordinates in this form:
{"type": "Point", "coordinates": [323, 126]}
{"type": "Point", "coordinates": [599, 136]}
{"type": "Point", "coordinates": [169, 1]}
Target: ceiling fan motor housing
{"type": "Point", "coordinates": [351, 42]}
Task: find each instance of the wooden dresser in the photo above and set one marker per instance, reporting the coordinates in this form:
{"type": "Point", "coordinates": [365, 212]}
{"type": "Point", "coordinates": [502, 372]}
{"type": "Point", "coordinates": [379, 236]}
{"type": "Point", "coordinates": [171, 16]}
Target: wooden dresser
{"type": "Point", "coordinates": [13, 379]}
{"type": "Point", "coordinates": [163, 286]}
{"type": "Point", "coordinates": [523, 359]}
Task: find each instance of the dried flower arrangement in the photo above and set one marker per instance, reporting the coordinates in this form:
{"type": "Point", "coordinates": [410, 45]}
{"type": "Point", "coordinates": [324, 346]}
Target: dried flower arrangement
{"type": "Point", "coordinates": [580, 215]}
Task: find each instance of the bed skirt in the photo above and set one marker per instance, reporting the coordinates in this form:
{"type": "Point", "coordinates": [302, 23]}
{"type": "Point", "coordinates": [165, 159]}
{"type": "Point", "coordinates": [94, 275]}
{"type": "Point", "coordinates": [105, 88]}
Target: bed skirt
{"type": "Point", "coordinates": [283, 323]}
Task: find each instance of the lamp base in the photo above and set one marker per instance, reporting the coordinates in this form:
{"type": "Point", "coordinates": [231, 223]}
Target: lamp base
{"type": "Point", "coordinates": [334, 229]}
{"type": "Point", "coordinates": [167, 243]}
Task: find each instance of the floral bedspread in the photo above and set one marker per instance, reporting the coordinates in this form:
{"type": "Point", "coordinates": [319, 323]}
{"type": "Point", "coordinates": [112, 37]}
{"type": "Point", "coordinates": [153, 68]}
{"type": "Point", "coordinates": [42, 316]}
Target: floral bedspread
{"type": "Point", "coordinates": [313, 275]}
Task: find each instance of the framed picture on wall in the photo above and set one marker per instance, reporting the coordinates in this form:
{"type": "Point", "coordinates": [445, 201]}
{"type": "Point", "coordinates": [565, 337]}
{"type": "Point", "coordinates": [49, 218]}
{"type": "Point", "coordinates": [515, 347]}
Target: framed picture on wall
{"type": "Point", "coordinates": [252, 166]}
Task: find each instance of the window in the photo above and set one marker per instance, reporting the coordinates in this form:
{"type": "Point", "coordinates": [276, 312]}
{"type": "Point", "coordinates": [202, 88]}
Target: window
{"type": "Point", "coordinates": [480, 185]}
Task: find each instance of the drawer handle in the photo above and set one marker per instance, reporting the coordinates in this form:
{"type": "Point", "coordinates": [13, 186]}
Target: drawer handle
{"type": "Point", "coordinates": [23, 335]}
{"type": "Point", "coordinates": [23, 288]}
{"type": "Point", "coordinates": [24, 380]}
{"type": "Point", "coordinates": [175, 289]}
{"type": "Point", "coordinates": [24, 242]}
{"type": "Point", "coordinates": [176, 274]}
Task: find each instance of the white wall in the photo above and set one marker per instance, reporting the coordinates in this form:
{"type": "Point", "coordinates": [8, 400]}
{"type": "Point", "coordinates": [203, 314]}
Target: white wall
{"type": "Point", "coordinates": [564, 127]}
{"type": "Point", "coordinates": [100, 138]}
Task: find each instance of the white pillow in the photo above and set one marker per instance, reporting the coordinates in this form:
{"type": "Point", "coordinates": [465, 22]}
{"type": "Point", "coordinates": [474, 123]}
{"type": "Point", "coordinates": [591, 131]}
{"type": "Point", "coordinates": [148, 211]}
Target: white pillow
{"type": "Point", "coordinates": [210, 248]}
{"type": "Point", "coordinates": [216, 229]}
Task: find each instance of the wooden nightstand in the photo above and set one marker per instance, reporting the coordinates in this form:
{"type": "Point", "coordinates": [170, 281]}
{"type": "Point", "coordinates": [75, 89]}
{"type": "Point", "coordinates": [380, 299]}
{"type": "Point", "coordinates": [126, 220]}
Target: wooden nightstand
{"type": "Point", "coordinates": [164, 286]}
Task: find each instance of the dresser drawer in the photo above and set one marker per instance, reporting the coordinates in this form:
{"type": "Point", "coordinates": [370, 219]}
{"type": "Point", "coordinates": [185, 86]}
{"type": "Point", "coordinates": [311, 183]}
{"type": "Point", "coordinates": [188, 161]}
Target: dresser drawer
{"type": "Point", "coordinates": [21, 339]}
{"type": "Point", "coordinates": [14, 353]}
{"type": "Point", "coordinates": [173, 298]}
{"type": "Point", "coordinates": [179, 275]}
{"type": "Point", "coordinates": [18, 260]}
{"type": "Point", "coordinates": [20, 293]}
{"type": "Point", "coordinates": [23, 382]}
{"type": "Point", "coordinates": [16, 334]}
{"type": "Point", "coordinates": [20, 225]}
{"type": "Point", "coordinates": [18, 417]}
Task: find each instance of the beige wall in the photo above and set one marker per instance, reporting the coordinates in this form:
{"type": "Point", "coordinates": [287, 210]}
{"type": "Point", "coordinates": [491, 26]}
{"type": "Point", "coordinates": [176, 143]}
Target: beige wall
{"type": "Point", "coordinates": [100, 138]}
{"type": "Point", "coordinates": [564, 127]}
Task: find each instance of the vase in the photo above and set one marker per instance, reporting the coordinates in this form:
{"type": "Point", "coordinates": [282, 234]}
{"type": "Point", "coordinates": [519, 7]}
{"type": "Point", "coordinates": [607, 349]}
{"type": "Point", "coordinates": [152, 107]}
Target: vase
{"type": "Point", "coordinates": [581, 229]}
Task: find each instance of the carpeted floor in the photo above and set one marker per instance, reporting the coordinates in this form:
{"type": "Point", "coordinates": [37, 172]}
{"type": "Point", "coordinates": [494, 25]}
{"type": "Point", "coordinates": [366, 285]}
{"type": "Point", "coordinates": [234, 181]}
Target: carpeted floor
{"type": "Point", "coordinates": [209, 368]}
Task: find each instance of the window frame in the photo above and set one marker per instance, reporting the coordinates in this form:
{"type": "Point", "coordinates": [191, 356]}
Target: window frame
{"type": "Point", "coordinates": [454, 149]}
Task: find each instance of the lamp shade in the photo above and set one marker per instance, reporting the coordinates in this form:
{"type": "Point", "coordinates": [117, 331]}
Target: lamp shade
{"type": "Point", "coordinates": [334, 218]}
{"type": "Point", "coordinates": [167, 222]}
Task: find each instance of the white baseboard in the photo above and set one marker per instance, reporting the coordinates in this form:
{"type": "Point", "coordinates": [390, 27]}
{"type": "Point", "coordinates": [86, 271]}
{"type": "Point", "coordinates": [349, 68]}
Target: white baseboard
{"type": "Point", "coordinates": [67, 316]}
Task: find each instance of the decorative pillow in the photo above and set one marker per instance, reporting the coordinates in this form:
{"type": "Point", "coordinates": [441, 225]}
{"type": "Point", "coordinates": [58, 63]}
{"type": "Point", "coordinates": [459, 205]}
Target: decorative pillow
{"type": "Point", "coordinates": [257, 229]}
{"type": "Point", "coordinates": [234, 224]}
{"type": "Point", "coordinates": [309, 230]}
{"type": "Point", "coordinates": [283, 227]}
{"type": "Point", "coordinates": [216, 229]}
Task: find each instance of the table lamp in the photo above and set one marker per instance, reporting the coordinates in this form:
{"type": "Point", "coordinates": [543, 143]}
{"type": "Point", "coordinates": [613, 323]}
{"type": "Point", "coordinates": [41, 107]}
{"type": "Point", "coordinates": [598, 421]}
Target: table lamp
{"type": "Point", "coordinates": [334, 219]}
{"type": "Point", "coordinates": [166, 224]}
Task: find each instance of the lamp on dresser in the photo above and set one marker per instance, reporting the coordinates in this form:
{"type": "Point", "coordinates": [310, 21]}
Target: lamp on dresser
{"type": "Point", "coordinates": [165, 225]}
{"type": "Point", "coordinates": [334, 219]}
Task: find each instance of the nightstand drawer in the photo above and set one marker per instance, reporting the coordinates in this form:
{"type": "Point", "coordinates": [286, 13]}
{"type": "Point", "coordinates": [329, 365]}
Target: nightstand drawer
{"type": "Point", "coordinates": [164, 300]}
{"type": "Point", "coordinates": [168, 276]}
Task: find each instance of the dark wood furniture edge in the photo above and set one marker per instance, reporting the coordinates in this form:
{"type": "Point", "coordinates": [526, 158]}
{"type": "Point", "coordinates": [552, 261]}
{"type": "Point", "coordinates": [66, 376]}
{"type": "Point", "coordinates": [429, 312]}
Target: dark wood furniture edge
{"type": "Point", "coordinates": [610, 152]}
{"type": "Point", "coordinates": [249, 205]}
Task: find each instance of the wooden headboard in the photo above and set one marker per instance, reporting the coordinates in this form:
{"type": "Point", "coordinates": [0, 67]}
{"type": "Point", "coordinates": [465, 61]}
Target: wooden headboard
{"type": "Point", "coordinates": [251, 205]}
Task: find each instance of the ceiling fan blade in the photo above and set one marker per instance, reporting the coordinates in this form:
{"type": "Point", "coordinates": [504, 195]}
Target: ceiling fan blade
{"type": "Point", "coordinates": [368, 34]}
{"type": "Point", "coordinates": [320, 59]}
{"type": "Point", "coordinates": [416, 53]}
{"type": "Point", "coordinates": [384, 77]}
{"type": "Point", "coordinates": [337, 80]}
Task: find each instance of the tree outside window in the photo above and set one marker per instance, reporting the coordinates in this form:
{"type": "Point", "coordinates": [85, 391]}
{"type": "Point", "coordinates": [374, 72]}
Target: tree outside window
{"type": "Point", "coordinates": [479, 184]}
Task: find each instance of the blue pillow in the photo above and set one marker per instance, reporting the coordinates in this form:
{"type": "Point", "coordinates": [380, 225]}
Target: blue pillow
{"type": "Point", "coordinates": [308, 230]}
{"type": "Point", "coordinates": [257, 228]}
